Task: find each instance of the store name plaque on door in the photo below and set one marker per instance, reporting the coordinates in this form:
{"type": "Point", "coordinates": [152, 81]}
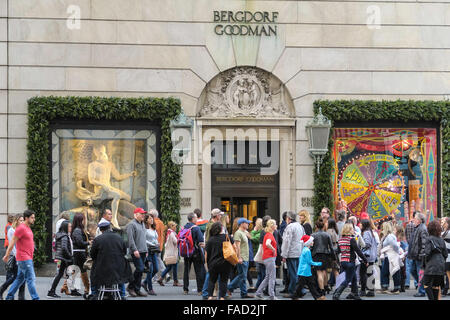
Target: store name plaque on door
{"type": "Point", "coordinates": [245, 179]}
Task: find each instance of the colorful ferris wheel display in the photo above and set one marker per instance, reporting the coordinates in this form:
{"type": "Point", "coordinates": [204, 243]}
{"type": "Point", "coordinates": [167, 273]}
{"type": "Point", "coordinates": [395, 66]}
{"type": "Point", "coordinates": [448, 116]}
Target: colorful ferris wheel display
{"type": "Point", "coordinates": [372, 184]}
{"type": "Point", "coordinates": [379, 170]}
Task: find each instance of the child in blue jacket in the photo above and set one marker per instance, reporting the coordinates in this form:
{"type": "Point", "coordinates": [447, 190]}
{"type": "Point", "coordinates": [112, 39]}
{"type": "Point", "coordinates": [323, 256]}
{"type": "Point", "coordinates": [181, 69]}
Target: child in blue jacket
{"type": "Point", "coordinates": [305, 277]}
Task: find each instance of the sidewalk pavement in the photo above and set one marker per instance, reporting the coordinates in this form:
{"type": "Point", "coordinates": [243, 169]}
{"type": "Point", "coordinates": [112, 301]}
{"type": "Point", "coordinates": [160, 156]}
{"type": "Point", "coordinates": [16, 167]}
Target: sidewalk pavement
{"type": "Point", "coordinates": [169, 292]}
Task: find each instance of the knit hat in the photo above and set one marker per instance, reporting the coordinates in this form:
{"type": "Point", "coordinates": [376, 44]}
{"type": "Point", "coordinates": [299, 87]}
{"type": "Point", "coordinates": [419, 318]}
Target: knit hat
{"type": "Point", "coordinates": [307, 240]}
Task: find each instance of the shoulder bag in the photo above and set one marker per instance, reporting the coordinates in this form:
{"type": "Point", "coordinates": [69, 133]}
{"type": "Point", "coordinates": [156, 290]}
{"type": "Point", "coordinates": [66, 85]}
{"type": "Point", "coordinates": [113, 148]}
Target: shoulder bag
{"type": "Point", "coordinates": [258, 257]}
{"type": "Point", "coordinates": [229, 254]}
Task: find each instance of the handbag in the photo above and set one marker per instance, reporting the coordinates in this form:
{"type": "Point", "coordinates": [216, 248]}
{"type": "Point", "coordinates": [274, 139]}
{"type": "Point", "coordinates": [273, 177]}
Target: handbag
{"type": "Point", "coordinates": [259, 254]}
{"type": "Point", "coordinates": [9, 266]}
{"type": "Point", "coordinates": [170, 260]}
{"type": "Point", "coordinates": [153, 248]}
{"type": "Point", "coordinates": [229, 253]}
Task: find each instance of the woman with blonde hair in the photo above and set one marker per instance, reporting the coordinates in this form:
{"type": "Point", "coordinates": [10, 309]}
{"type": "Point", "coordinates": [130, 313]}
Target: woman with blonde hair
{"type": "Point", "coordinates": [225, 220]}
{"type": "Point", "coordinates": [348, 248]}
{"type": "Point", "coordinates": [171, 254]}
{"type": "Point", "coordinates": [269, 256]}
{"type": "Point", "coordinates": [389, 255]}
{"type": "Point", "coordinates": [305, 221]}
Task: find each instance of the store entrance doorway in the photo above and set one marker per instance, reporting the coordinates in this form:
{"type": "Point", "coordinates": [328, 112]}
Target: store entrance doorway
{"type": "Point", "coordinates": [249, 208]}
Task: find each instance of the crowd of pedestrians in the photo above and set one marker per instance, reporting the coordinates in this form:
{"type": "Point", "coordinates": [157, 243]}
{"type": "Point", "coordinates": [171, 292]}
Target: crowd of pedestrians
{"type": "Point", "coordinates": [319, 257]}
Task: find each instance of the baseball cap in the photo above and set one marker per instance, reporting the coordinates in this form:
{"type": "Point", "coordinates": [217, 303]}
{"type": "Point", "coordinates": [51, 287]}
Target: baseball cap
{"type": "Point", "coordinates": [243, 220]}
{"type": "Point", "coordinates": [139, 210]}
{"type": "Point", "coordinates": [216, 212]}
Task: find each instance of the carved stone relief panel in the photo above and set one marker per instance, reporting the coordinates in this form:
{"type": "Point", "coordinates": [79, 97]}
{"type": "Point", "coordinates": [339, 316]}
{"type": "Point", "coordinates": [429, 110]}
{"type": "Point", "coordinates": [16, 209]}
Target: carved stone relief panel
{"type": "Point", "coordinates": [245, 92]}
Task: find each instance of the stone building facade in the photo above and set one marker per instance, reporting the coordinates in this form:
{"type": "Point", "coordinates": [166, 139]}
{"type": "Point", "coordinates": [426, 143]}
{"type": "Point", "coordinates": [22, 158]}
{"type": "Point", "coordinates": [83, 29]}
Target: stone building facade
{"type": "Point", "coordinates": [160, 48]}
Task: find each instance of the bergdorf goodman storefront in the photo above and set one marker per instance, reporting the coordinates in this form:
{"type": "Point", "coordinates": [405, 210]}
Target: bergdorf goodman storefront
{"type": "Point", "coordinates": [247, 75]}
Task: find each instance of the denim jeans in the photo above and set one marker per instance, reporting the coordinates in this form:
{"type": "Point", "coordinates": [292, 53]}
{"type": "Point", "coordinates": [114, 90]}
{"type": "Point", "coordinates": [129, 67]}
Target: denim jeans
{"type": "Point", "coordinates": [292, 265]}
{"type": "Point", "coordinates": [384, 277]}
{"type": "Point", "coordinates": [11, 275]}
{"type": "Point", "coordinates": [261, 269]}
{"type": "Point", "coordinates": [137, 275]}
{"type": "Point", "coordinates": [174, 268]}
{"type": "Point", "coordinates": [409, 272]}
{"type": "Point", "coordinates": [417, 273]}
{"type": "Point", "coordinates": [241, 279]}
{"type": "Point", "coordinates": [25, 274]}
{"type": "Point", "coordinates": [350, 276]}
{"type": "Point", "coordinates": [205, 292]}
{"type": "Point", "coordinates": [152, 269]}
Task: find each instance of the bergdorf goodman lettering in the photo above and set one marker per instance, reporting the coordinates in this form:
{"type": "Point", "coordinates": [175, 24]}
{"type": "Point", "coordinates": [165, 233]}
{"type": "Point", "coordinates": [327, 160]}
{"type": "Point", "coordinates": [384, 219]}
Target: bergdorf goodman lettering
{"type": "Point", "coordinates": [245, 17]}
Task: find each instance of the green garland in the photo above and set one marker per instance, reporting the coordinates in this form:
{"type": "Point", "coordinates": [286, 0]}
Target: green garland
{"type": "Point", "coordinates": [400, 111]}
{"type": "Point", "coordinates": [43, 110]}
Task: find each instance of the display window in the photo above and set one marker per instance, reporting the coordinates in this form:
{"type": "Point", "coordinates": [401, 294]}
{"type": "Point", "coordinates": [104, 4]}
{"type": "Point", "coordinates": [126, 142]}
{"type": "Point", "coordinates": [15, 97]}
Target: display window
{"type": "Point", "coordinates": [386, 172]}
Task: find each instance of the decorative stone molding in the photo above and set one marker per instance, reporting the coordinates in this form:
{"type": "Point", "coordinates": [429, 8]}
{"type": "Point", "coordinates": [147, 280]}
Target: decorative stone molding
{"type": "Point", "coordinates": [245, 92]}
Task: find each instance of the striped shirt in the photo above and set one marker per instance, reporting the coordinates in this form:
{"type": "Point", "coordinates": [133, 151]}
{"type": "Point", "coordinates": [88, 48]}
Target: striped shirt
{"type": "Point", "coordinates": [348, 248]}
{"type": "Point", "coordinates": [345, 248]}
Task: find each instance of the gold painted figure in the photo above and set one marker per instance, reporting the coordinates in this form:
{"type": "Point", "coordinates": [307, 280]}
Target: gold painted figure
{"type": "Point", "coordinates": [99, 175]}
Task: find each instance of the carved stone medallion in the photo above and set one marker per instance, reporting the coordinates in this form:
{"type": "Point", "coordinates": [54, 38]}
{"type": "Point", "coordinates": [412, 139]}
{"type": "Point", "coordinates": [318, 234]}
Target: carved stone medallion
{"type": "Point", "coordinates": [245, 92]}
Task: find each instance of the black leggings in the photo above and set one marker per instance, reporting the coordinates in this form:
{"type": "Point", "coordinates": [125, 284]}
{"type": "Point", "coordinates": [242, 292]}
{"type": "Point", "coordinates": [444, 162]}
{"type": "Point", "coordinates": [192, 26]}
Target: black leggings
{"type": "Point", "coordinates": [59, 275]}
{"type": "Point", "coordinates": [214, 274]}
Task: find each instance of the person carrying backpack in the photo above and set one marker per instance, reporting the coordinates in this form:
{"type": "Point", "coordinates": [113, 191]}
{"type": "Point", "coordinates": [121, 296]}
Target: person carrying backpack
{"type": "Point", "coordinates": [190, 246]}
{"type": "Point", "coordinates": [201, 223]}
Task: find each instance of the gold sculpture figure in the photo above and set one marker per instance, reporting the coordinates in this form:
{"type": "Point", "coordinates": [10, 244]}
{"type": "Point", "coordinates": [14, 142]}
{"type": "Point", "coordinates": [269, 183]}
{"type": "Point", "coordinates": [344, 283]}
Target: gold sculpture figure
{"type": "Point", "coordinates": [99, 175]}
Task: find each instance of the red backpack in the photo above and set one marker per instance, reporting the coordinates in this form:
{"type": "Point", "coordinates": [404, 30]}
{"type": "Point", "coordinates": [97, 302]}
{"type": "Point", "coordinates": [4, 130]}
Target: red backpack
{"type": "Point", "coordinates": [185, 242]}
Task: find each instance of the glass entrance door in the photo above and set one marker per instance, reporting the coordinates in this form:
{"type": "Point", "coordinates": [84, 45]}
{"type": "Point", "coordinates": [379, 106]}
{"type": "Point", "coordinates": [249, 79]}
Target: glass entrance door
{"type": "Point", "coordinates": [249, 208]}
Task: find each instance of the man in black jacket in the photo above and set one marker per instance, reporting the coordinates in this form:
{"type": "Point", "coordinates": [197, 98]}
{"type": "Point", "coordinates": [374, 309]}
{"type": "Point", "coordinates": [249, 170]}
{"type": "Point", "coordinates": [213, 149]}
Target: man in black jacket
{"type": "Point", "coordinates": [109, 264]}
{"type": "Point", "coordinates": [416, 250]}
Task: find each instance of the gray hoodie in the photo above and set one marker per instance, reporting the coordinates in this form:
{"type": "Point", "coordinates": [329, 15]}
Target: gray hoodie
{"type": "Point", "coordinates": [136, 233]}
